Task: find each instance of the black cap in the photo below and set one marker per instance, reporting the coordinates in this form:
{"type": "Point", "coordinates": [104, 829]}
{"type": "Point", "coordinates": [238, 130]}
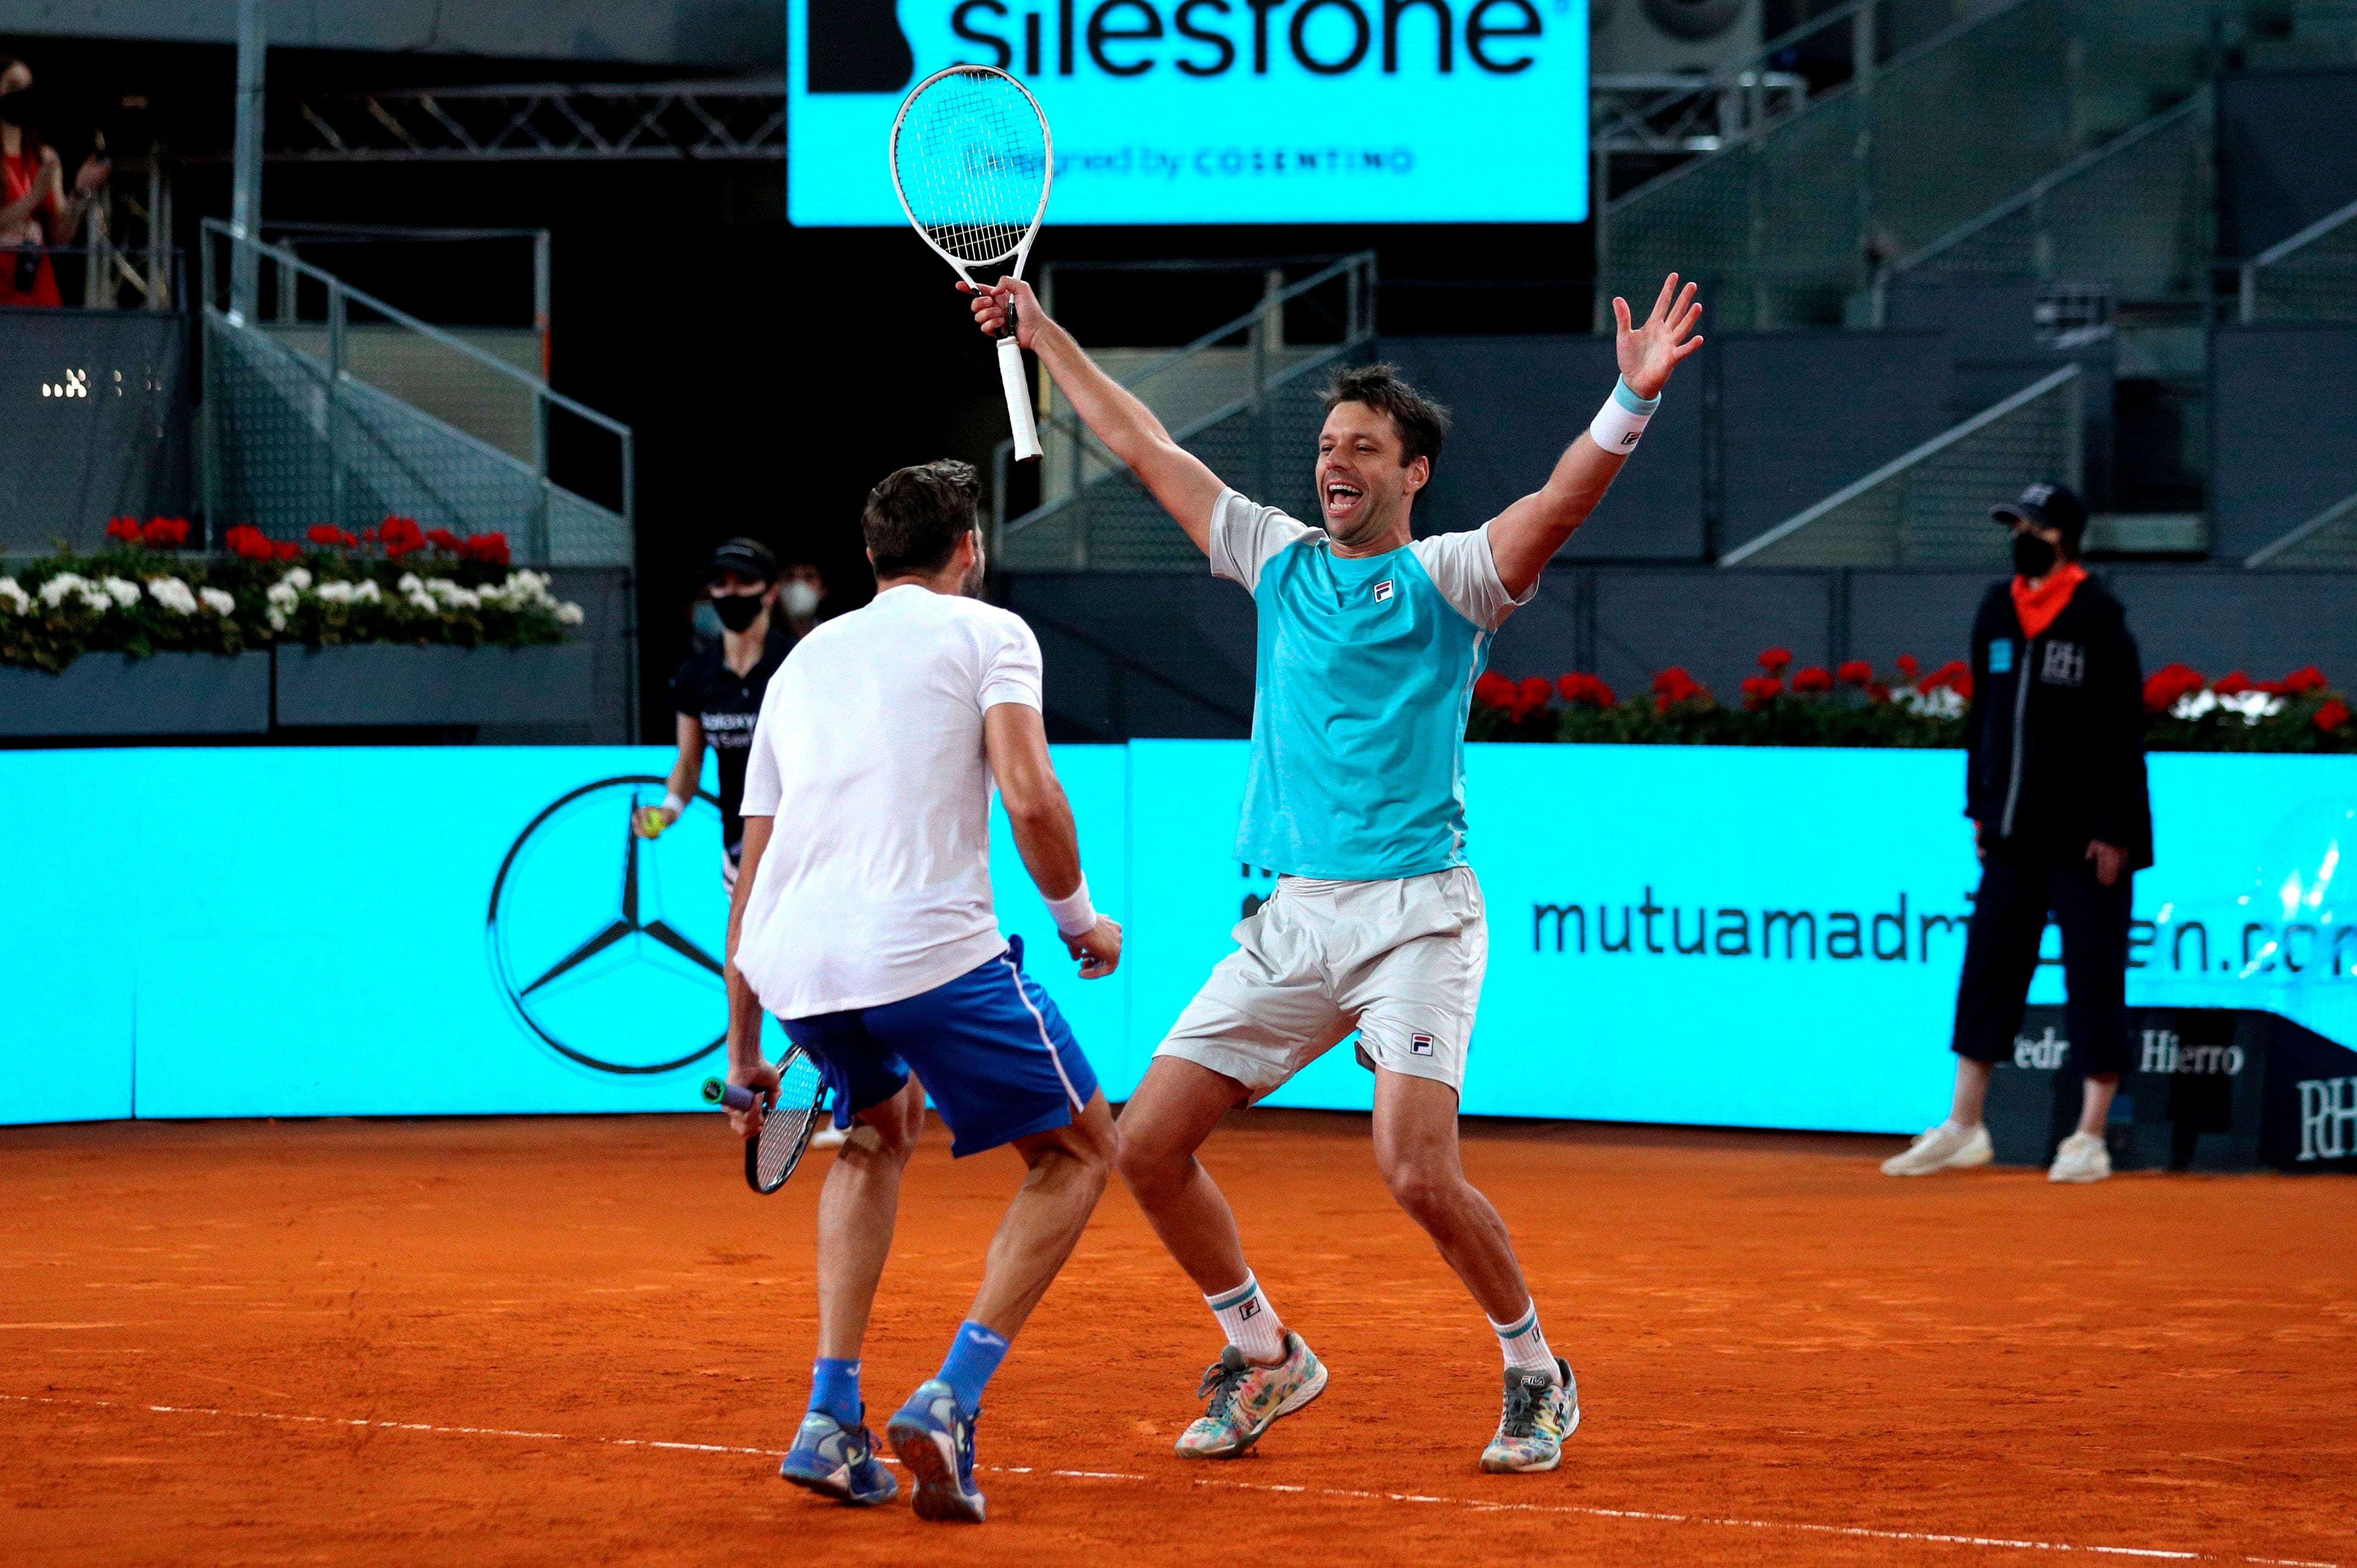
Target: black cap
{"type": "Point", "coordinates": [2046, 506]}
{"type": "Point", "coordinates": [747, 558]}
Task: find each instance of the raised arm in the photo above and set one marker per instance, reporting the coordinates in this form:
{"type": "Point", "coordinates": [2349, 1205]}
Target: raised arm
{"type": "Point", "coordinates": [1016, 742]}
{"type": "Point", "coordinates": [1526, 535]}
{"type": "Point", "coordinates": [1179, 480]}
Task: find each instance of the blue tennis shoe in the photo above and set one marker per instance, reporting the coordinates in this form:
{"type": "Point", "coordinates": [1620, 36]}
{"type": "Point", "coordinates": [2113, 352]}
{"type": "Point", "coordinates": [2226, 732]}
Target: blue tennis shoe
{"type": "Point", "coordinates": [935, 1439]}
{"type": "Point", "coordinates": [838, 1462]}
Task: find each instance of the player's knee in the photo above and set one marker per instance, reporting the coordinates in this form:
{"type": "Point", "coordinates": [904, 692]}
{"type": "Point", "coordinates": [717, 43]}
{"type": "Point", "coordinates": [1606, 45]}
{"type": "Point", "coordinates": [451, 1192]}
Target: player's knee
{"type": "Point", "coordinates": [1148, 1165]}
{"type": "Point", "coordinates": [1426, 1191]}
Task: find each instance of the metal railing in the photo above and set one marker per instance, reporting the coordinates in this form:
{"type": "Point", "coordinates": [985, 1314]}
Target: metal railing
{"type": "Point", "coordinates": [1097, 517]}
{"type": "Point", "coordinates": [2135, 212]}
{"type": "Point", "coordinates": [307, 423]}
{"type": "Point", "coordinates": [2328, 539]}
{"type": "Point", "coordinates": [1786, 227]}
{"type": "Point", "coordinates": [1929, 507]}
{"type": "Point", "coordinates": [2311, 276]}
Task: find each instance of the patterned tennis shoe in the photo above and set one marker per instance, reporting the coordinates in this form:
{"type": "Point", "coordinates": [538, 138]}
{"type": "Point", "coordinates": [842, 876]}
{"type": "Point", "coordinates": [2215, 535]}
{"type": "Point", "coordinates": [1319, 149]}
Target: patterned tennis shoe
{"type": "Point", "coordinates": [1246, 1400]}
{"type": "Point", "coordinates": [935, 1439]}
{"type": "Point", "coordinates": [839, 1462]}
{"type": "Point", "coordinates": [1540, 1412]}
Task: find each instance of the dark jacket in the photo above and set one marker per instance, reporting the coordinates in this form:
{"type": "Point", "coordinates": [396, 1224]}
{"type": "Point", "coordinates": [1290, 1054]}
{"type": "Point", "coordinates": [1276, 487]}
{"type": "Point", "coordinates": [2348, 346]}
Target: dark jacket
{"type": "Point", "coordinates": [2055, 734]}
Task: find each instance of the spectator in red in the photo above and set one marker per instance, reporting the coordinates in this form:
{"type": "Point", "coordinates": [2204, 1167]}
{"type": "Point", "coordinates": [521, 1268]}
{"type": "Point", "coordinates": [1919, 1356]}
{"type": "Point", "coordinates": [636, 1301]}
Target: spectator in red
{"type": "Point", "coordinates": [36, 208]}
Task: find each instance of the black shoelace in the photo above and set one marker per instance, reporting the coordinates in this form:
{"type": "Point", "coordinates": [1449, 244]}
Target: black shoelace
{"type": "Point", "coordinates": [1220, 1384]}
{"type": "Point", "coordinates": [1521, 1418]}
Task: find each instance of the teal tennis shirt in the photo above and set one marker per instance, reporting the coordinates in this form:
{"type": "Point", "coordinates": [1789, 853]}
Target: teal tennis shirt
{"type": "Point", "coordinates": [1364, 680]}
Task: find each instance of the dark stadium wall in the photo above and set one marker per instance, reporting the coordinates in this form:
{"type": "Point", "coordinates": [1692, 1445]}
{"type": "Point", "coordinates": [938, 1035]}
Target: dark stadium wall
{"type": "Point", "coordinates": [2284, 155]}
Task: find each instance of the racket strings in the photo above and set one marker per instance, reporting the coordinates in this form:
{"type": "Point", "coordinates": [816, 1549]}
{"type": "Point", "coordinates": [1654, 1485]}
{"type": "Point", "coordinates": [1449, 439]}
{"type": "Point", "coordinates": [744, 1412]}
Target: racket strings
{"type": "Point", "coordinates": [786, 1129]}
{"type": "Point", "coordinates": [971, 158]}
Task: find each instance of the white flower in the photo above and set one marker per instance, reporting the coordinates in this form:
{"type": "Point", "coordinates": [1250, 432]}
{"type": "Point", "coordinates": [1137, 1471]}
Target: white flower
{"type": "Point", "coordinates": [173, 594]}
{"type": "Point", "coordinates": [282, 597]}
{"type": "Point", "coordinates": [463, 599]}
{"type": "Point", "coordinates": [277, 618]}
{"type": "Point", "coordinates": [423, 601]}
{"type": "Point", "coordinates": [1942, 702]}
{"type": "Point", "coordinates": [410, 584]}
{"type": "Point", "coordinates": [444, 588]}
{"type": "Point", "coordinates": [368, 592]}
{"type": "Point", "coordinates": [220, 603]}
{"type": "Point", "coordinates": [121, 590]}
{"type": "Point", "coordinates": [74, 586]}
{"type": "Point", "coordinates": [525, 587]}
{"type": "Point", "coordinates": [2251, 706]}
{"type": "Point", "coordinates": [13, 597]}
{"type": "Point", "coordinates": [569, 614]}
{"type": "Point", "coordinates": [2194, 704]}
{"type": "Point", "coordinates": [300, 578]}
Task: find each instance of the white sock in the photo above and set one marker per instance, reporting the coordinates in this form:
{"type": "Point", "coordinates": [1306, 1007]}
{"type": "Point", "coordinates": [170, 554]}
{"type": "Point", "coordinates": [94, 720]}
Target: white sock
{"type": "Point", "coordinates": [1953, 1126]}
{"type": "Point", "coordinates": [1525, 1345]}
{"type": "Point", "coordinates": [1249, 1322]}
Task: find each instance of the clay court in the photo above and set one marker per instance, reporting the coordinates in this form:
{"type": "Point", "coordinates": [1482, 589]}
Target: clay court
{"type": "Point", "coordinates": [537, 1340]}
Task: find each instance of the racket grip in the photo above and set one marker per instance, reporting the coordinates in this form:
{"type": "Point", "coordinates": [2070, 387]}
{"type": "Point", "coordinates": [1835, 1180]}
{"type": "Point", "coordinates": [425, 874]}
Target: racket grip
{"type": "Point", "coordinates": [1019, 400]}
{"type": "Point", "coordinates": [732, 1096]}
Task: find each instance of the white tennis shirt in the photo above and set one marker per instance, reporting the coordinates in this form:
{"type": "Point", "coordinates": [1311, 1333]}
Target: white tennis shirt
{"type": "Point", "coordinates": [876, 884]}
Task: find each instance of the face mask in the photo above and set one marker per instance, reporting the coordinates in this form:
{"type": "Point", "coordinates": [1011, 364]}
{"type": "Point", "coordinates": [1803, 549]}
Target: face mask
{"type": "Point", "coordinates": [799, 599]}
{"type": "Point", "coordinates": [2032, 556]}
{"type": "Point", "coordinates": [738, 611]}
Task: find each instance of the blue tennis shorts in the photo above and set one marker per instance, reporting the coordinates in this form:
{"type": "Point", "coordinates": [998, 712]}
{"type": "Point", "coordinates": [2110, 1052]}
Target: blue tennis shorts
{"type": "Point", "coordinates": [989, 1047]}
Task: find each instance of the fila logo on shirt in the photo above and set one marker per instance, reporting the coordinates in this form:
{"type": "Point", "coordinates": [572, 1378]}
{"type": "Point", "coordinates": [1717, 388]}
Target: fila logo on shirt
{"type": "Point", "coordinates": [1419, 1045]}
{"type": "Point", "coordinates": [1382, 590]}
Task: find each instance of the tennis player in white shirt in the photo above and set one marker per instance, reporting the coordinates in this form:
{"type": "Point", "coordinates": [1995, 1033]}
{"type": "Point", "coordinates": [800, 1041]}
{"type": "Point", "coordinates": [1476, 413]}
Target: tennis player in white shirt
{"type": "Point", "coordinates": [867, 928]}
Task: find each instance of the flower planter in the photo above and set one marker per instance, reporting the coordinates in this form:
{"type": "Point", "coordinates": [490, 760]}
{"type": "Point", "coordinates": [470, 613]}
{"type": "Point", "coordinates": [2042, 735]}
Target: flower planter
{"type": "Point", "coordinates": [400, 683]}
{"type": "Point", "coordinates": [105, 694]}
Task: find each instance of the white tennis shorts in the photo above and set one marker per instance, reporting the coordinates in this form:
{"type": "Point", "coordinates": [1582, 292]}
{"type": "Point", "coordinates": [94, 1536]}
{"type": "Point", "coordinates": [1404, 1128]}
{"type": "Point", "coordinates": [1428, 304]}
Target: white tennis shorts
{"type": "Point", "coordinates": [1400, 960]}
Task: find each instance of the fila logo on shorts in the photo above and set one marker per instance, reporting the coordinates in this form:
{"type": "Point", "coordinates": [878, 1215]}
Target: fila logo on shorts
{"type": "Point", "coordinates": [1382, 590]}
{"type": "Point", "coordinates": [1419, 1045]}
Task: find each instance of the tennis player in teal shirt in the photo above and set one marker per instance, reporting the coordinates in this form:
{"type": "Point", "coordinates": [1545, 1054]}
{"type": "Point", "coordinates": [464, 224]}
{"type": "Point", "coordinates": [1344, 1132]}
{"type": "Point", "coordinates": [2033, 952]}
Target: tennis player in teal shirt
{"type": "Point", "coordinates": [1369, 641]}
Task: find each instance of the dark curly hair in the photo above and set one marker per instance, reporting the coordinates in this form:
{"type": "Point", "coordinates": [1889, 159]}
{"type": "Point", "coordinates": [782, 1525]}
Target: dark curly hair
{"type": "Point", "coordinates": [1422, 423]}
{"type": "Point", "coordinates": [915, 518]}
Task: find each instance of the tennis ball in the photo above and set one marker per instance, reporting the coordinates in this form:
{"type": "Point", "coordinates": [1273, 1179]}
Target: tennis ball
{"type": "Point", "coordinates": [650, 821]}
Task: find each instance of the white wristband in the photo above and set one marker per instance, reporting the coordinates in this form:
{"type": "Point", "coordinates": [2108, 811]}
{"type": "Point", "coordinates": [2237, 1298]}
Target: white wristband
{"type": "Point", "coordinates": [1075, 916]}
{"type": "Point", "coordinates": [675, 806]}
{"type": "Point", "coordinates": [1622, 420]}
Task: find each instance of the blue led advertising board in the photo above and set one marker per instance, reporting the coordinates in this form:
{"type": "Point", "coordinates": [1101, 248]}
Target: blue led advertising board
{"type": "Point", "coordinates": [1732, 936]}
{"type": "Point", "coordinates": [1217, 111]}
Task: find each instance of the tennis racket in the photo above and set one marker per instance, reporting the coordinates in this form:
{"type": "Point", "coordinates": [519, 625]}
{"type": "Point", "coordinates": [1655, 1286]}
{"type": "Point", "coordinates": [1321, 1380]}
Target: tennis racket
{"type": "Point", "coordinates": [771, 1155]}
{"type": "Point", "coordinates": [972, 162]}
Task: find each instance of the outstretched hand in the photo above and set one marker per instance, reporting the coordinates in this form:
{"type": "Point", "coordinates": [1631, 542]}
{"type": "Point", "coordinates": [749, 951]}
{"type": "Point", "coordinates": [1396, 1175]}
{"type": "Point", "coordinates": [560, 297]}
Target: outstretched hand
{"type": "Point", "coordinates": [1649, 353]}
{"type": "Point", "coordinates": [991, 305]}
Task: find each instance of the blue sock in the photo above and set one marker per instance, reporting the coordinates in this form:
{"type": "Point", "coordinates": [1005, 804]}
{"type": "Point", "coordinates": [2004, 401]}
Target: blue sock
{"type": "Point", "coordinates": [974, 1354]}
{"type": "Point", "coordinates": [835, 1390]}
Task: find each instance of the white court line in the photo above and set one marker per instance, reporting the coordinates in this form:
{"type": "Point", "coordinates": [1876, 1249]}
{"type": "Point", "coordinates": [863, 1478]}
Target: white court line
{"type": "Point", "coordinates": [1474, 1504]}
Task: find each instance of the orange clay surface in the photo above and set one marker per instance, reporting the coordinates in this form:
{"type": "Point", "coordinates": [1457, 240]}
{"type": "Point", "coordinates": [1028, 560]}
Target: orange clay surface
{"type": "Point", "coordinates": [508, 1341]}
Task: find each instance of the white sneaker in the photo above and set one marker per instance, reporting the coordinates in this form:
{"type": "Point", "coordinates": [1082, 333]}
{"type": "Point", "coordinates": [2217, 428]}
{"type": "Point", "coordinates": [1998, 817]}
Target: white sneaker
{"type": "Point", "coordinates": [1944, 1148]}
{"type": "Point", "coordinates": [2081, 1157]}
{"type": "Point", "coordinates": [829, 1136]}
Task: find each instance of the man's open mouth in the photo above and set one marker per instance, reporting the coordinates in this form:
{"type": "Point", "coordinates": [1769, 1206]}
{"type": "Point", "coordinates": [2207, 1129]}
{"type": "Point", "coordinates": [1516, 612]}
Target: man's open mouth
{"type": "Point", "coordinates": [1342, 498]}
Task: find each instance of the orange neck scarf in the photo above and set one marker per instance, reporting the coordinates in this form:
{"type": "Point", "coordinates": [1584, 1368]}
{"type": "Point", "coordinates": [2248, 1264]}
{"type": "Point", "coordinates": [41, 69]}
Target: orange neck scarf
{"type": "Point", "coordinates": [2038, 607]}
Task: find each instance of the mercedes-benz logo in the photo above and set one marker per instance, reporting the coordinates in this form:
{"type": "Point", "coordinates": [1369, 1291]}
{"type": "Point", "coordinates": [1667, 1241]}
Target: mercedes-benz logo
{"type": "Point", "coordinates": [606, 945]}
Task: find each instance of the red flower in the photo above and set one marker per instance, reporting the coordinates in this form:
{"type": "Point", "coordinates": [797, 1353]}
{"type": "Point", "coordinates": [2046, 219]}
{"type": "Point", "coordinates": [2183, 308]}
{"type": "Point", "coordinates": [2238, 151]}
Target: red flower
{"type": "Point", "coordinates": [1775, 660]}
{"type": "Point", "coordinates": [1759, 690]}
{"type": "Point", "coordinates": [164, 532]}
{"type": "Point", "coordinates": [1876, 692]}
{"type": "Point", "coordinates": [2232, 683]}
{"type": "Point", "coordinates": [2306, 678]}
{"type": "Point", "coordinates": [1493, 690]}
{"type": "Point", "coordinates": [248, 542]}
{"type": "Point", "coordinates": [489, 548]}
{"type": "Point", "coordinates": [1954, 673]}
{"type": "Point", "coordinates": [442, 539]}
{"type": "Point", "coordinates": [1814, 678]}
{"type": "Point", "coordinates": [328, 533]}
{"type": "Point", "coordinates": [285, 550]}
{"type": "Point", "coordinates": [1962, 683]}
{"type": "Point", "coordinates": [2333, 715]}
{"type": "Point", "coordinates": [1530, 695]}
{"type": "Point", "coordinates": [2164, 686]}
{"type": "Point", "coordinates": [401, 536]}
{"type": "Point", "coordinates": [1582, 688]}
{"type": "Point", "coordinates": [1907, 666]}
{"type": "Point", "coordinates": [1855, 673]}
{"type": "Point", "coordinates": [123, 528]}
{"type": "Point", "coordinates": [1674, 686]}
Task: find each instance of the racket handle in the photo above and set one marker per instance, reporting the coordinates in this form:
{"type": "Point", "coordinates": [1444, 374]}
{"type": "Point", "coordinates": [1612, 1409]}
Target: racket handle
{"type": "Point", "coordinates": [1019, 400]}
{"type": "Point", "coordinates": [734, 1097]}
